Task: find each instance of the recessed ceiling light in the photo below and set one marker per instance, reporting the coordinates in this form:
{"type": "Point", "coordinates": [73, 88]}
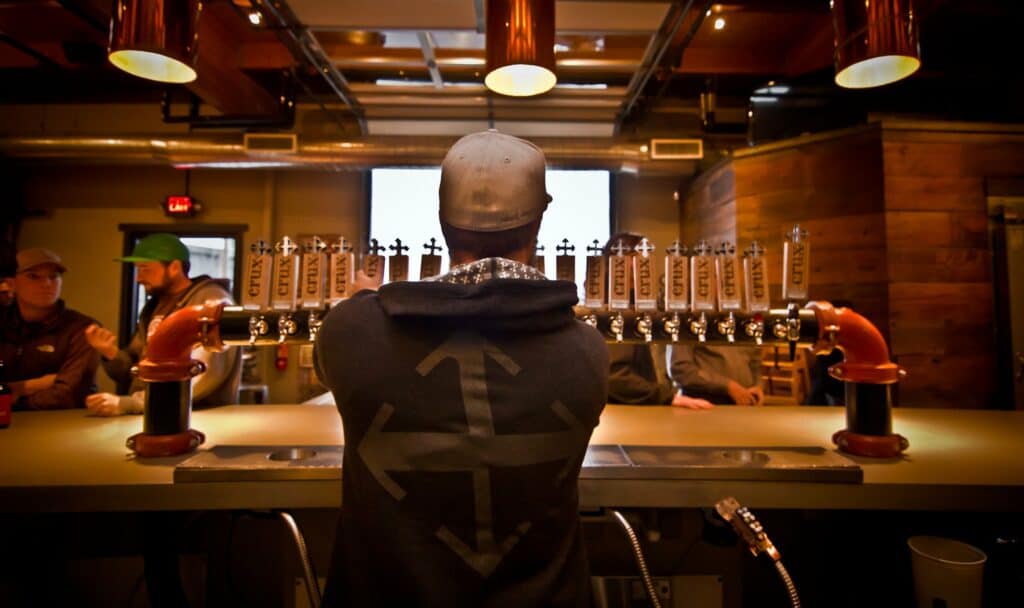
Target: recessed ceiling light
{"type": "Point", "coordinates": [255, 17]}
{"type": "Point", "coordinates": [719, 23]}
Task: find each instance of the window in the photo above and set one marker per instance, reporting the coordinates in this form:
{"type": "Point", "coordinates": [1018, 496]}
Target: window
{"type": "Point", "coordinates": [403, 204]}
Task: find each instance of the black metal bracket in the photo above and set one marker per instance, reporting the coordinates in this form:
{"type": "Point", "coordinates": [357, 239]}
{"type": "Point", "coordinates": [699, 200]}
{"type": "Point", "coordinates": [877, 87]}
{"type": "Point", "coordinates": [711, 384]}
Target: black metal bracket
{"type": "Point", "coordinates": [284, 118]}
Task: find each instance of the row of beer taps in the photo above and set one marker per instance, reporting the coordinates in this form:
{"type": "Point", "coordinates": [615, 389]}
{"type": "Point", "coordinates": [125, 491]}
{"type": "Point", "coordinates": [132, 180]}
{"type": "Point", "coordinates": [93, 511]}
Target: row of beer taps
{"type": "Point", "coordinates": [698, 283]}
{"type": "Point", "coordinates": [621, 288]}
{"type": "Point", "coordinates": [288, 278]}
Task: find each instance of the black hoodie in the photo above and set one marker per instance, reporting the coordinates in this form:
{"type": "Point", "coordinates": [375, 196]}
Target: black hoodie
{"type": "Point", "coordinates": [467, 411]}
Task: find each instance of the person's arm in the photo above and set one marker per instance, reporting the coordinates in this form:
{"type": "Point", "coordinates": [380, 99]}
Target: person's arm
{"type": "Point", "coordinates": [218, 368]}
{"type": "Point", "coordinates": [119, 367]}
{"type": "Point", "coordinates": [693, 377]}
{"type": "Point", "coordinates": [109, 404]}
{"type": "Point", "coordinates": [627, 381]}
{"type": "Point", "coordinates": [74, 380]}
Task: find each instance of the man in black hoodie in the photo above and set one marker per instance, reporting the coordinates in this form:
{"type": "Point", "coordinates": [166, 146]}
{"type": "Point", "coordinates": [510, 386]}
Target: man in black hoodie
{"type": "Point", "coordinates": [468, 402]}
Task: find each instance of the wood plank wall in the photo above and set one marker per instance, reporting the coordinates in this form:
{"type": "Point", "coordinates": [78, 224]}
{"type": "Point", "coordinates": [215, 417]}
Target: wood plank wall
{"type": "Point", "coordinates": [939, 260]}
{"type": "Point", "coordinates": [832, 188]}
{"type": "Point", "coordinates": [898, 226]}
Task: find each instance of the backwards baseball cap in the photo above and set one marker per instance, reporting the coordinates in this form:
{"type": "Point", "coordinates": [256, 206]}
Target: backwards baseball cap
{"type": "Point", "coordinates": [159, 247]}
{"type": "Point", "coordinates": [491, 181]}
{"type": "Point", "coordinates": [30, 258]}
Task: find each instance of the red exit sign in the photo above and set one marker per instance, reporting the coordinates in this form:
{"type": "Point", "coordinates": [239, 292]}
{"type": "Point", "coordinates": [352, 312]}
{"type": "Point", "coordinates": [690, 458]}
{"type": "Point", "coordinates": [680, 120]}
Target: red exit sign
{"type": "Point", "coordinates": [181, 206]}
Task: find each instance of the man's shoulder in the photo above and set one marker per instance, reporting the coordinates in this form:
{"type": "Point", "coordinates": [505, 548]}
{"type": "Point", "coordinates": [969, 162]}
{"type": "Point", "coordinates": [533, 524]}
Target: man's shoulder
{"type": "Point", "coordinates": [209, 289]}
{"type": "Point", "coordinates": [354, 311]}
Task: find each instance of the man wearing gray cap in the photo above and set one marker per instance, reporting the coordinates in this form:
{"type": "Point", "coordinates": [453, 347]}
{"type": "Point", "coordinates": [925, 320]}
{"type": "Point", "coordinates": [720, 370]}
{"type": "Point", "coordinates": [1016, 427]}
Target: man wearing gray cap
{"type": "Point", "coordinates": [468, 402]}
{"type": "Point", "coordinates": [47, 361]}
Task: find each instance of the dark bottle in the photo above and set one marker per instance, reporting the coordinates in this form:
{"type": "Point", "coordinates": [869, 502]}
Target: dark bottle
{"type": "Point", "coordinates": [6, 399]}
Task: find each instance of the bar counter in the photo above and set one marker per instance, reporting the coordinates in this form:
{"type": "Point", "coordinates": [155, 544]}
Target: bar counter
{"type": "Point", "coordinates": [959, 460]}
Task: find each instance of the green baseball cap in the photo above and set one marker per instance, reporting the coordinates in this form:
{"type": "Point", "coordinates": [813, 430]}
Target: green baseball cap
{"type": "Point", "coordinates": [159, 247]}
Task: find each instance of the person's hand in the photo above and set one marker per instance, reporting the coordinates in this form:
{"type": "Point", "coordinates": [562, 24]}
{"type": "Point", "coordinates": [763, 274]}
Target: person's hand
{"type": "Point", "coordinates": [757, 393]}
{"type": "Point", "coordinates": [739, 394]}
{"type": "Point", "coordinates": [691, 403]}
{"type": "Point", "coordinates": [103, 404]}
{"type": "Point", "coordinates": [364, 282]}
{"type": "Point", "coordinates": [101, 339]}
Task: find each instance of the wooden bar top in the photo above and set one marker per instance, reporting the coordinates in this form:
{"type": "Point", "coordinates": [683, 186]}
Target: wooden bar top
{"type": "Point", "coordinates": [958, 460]}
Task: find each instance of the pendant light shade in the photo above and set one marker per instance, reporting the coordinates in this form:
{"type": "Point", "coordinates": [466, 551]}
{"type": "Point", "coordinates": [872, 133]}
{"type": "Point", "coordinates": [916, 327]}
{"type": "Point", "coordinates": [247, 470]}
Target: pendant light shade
{"type": "Point", "coordinates": [520, 47]}
{"type": "Point", "coordinates": [155, 39]}
{"type": "Point", "coordinates": [876, 42]}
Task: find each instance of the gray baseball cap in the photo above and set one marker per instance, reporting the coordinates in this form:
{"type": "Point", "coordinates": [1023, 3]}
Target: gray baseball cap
{"type": "Point", "coordinates": [491, 181]}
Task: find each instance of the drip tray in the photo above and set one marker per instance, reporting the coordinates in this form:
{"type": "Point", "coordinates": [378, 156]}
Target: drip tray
{"type": "Point", "coordinates": [302, 463]}
{"type": "Point", "coordinates": [727, 463]}
{"type": "Point", "coordinates": [262, 463]}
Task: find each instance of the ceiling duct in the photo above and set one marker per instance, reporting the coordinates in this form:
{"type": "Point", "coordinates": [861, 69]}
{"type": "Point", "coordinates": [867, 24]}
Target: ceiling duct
{"type": "Point", "coordinates": [330, 154]}
{"type": "Point", "coordinates": [677, 149]}
{"type": "Point", "coordinates": [270, 144]}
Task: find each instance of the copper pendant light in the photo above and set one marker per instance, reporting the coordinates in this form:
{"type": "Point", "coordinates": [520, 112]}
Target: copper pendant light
{"type": "Point", "coordinates": [155, 39]}
{"type": "Point", "coordinates": [875, 42]}
{"type": "Point", "coordinates": [520, 47]}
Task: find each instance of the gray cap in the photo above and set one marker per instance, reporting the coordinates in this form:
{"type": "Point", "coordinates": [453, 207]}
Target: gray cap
{"type": "Point", "coordinates": [37, 256]}
{"type": "Point", "coordinates": [491, 181]}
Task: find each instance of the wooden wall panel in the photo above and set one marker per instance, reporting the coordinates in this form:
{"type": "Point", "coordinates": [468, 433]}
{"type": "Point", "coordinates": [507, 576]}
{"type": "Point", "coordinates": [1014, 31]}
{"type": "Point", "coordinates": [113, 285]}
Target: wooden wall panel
{"type": "Point", "coordinates": [939, 261]}
{"type": "Point", "coordinates": [898, 226]}
{"type": "Point", "coordinates": [833, 189]}
{"type": "Point", "coordinates": [708, 210]}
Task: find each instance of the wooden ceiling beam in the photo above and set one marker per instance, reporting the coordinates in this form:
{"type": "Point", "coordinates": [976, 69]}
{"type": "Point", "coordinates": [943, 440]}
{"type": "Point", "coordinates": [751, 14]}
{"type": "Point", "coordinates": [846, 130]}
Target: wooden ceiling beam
{"type": "Point", "coordinates": [813, 52]}
{"type": "Point", "coordinates": [221, 82]}
{"type": "Point", "coordinates": [730, 60]}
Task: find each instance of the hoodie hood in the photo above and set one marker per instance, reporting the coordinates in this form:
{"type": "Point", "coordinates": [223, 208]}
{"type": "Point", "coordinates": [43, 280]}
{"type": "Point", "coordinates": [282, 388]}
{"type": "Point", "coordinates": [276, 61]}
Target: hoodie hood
{"type": "Point", "coordinates": [484, 295]}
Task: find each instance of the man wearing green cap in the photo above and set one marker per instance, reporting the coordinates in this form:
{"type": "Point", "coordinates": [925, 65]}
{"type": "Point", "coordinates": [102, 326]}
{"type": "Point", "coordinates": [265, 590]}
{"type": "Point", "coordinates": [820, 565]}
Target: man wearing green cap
{"type": "Point", "coordinates": [161, 267]}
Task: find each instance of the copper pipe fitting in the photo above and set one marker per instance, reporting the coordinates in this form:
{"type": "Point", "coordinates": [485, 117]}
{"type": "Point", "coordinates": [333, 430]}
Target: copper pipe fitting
{"type": "Point", "coordinates": [169, 349]}
{"type": "Point", "coordinates": [865, 353]}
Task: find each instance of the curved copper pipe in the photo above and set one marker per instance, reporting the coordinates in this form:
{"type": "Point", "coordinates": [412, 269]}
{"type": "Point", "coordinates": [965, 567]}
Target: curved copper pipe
{"type": "Point", "coordinates": [865, 354]}
{"type": "Point", "coordinates": [169, 349]}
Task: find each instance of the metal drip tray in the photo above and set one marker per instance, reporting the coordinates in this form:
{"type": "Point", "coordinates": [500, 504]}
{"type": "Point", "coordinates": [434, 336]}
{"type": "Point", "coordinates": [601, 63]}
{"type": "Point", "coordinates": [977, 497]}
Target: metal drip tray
{"type": "Point", "coordinates": [301, 463]}
{"type": "Point", "coordinates": [262, 463]}
{"type": "Point", "coordinates": [728, 463]}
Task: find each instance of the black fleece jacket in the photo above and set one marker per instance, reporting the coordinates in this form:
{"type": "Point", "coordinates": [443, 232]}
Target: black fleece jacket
{"type": "Point", "coordinates": [467, 411]}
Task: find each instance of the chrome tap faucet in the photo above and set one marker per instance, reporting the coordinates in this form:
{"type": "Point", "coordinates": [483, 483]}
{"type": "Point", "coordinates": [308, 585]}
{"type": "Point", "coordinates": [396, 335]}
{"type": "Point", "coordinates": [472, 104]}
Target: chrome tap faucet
{"type": "Point", "coordinates": [590, 319]}
{"type": "Point", "coordinates": [617, 325]}
{"type": "Point", "coordinates": [699, 327]}
{"type": "Point", "coordinates": [754, 328]}
{"type": "Point", "coordinates": [314, 324]}
{"type": "Point", "coordinates": [257, 328]}
{"type": "Point", "coordinates": [727, 327]}
{"type": "Point", "coordinates": [645, 327]}
{"type": "Point", "coordinates": [672, 325]}
{"type": "Point", "coordinates": [286, 326]}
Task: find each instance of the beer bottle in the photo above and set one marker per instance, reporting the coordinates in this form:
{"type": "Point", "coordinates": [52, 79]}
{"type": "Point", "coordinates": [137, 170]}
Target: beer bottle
{"type": "Point", "coordinates": [6, 399]}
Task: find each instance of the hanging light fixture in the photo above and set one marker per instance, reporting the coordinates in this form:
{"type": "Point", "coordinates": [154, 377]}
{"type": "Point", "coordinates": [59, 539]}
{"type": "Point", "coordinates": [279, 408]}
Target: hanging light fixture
{"type": "Point", "coordinates": [155, 39]}
{"type": "Point", "coordinates": [520, 47]}
{"type": "Point", "coordinates": [875, 42]}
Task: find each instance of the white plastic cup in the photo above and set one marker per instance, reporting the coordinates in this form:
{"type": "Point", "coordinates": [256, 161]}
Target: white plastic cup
{"type": "Point", "coordinates": [947, 573]}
